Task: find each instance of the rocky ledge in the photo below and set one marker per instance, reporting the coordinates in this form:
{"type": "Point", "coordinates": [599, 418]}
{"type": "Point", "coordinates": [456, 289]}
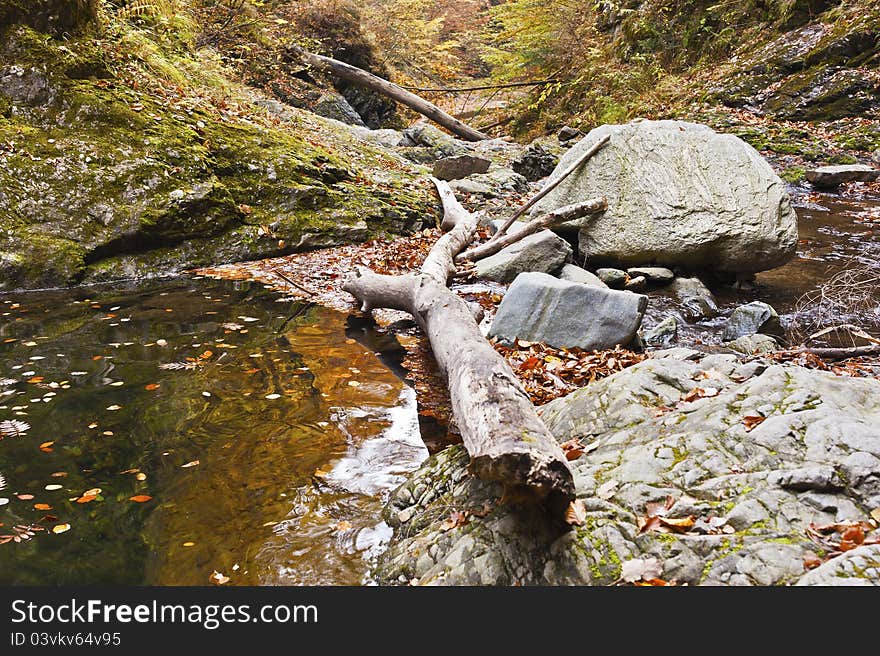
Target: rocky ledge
{"type": "Point", "coordinates": [697, 470]}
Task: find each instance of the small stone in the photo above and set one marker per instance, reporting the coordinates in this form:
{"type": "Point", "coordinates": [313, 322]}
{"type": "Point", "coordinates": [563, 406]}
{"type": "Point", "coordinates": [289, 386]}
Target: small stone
{"type": "Point", "coordinates": [567, 133]}
{"type": "Point", "coordinates": [637, 284]}
{"type": "Point", "coordinates": [653, 274]}
{"type": "Point", "coordinates": [751, 318]}
{"type": "Point", "coordinates": [614, 278]}
{"type": "Point", "coordinates": [829, 177]}
{"type": "Point", "coordinates": [751, 344]}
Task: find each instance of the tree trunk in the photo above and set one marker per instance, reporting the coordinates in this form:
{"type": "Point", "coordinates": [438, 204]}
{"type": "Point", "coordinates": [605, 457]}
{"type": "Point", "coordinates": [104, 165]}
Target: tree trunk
{"type": "Point", "coordinates": [362, 78]}
{"type": "Point", "coordinates": [502, 433]}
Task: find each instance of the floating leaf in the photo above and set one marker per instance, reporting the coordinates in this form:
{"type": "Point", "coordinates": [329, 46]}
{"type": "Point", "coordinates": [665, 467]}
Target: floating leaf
{"type": "Point", "coordinates": [354, 383]}
{"type": "Point", "coordinates": [576, 513]}
{"type": "Point", "coordinates": [53, 487]}
{"type": "Point", "coordinates": [272, 397]}
{"type": "Point", "coordinates": [114, 407]}
{"type": "Point", "coordinates": [189, 544]}
{"type": "Point", "coordinates": [152, 386]}
{"type": "Point", "coordinates": [60, 528]}
{"type": "Point", "coordinates": [141, 476]}
{"type": "Point", "coordinates": [42, 506]}
{"type": "Point", "coordinates": [3, 501]}
{"type": "Point", "coordinates": [194, 463]}
{"type": "Point", "coordinates": [140, 498]}
{"type": "Point", "coordinates": [25, 497]}
{"type": "Point", "coordinates": [218, 579]}
{"type": "Point", "coordinates": [46, 447]}
{"type": "Point", "coordinates": [13, 428]}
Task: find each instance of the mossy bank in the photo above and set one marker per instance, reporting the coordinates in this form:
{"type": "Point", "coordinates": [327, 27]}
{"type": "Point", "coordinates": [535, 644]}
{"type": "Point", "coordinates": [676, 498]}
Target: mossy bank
{"type": "Point", "coordinates": [125, 152]}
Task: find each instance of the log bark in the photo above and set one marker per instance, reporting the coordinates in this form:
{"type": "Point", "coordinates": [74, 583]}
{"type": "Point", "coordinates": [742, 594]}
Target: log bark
{"type": "Point", "coordinates": [561, 215]}
{"type": "Point", "coordinates": [362, 78]}
{"type": "Point", "coordinates": [551, 186]}
{"type": "Point", "coordinates": [505, 438]}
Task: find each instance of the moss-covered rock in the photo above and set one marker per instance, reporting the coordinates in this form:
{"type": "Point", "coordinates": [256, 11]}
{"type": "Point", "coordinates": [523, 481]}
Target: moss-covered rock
{"type": "Point", "coordinates": [113, 148]}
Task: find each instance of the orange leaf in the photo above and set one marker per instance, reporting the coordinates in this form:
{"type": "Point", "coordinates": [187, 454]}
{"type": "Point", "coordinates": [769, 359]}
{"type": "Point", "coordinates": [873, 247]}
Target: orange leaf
{"type": "Point", "coordinates": [851, 538]}
{"type": "Point", "coordinates": [152, 386]}
{"type": "Point", "coordinates": [46, 447]}
{"type": "Point", "coordinates": [140, 498]}
{"type": "Point", "coordinates": [42, 506]}
{"type": "Point", "coordinates": [811, 561]}
{"type": "Point", "coordinates": [678, 525]}
{"type": "Point", "coordinates": [206, 355]}
{"type": "Point", "coordinates": [36, 379]}
{"type": "Point", "coordinates": [576, 513]}
{"type": "Point", "coordinates": [750, 421]}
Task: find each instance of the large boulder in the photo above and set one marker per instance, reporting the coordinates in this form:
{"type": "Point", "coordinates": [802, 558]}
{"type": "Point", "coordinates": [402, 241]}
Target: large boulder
{"type": "Point", "coordinates": [737, 484]}
{"type": "Point", "coordinates": [543, 252]}
{"type": "Point", "coordinates": [679, 195]}
{"type": "Point", "coordinates": [541, 308]}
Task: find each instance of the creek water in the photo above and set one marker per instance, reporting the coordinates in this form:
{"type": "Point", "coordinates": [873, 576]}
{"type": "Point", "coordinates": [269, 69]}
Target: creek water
{"type": "Point", "coordinates": [168, 432]}
{"type": "Point", "coordinates": [256, 435]}
{"type": "Point", "coordinates": [836, 235]}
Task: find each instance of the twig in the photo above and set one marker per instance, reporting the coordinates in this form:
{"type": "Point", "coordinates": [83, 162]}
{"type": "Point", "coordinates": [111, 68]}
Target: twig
{"type": "Point", "coordinates": [835, 353]}
{"type": "Point", "coordinates": [551, 186]}
{"type": "Point", "coordinates": [485, 87]}
{"type": "Point", "coordinates": [293, 282]}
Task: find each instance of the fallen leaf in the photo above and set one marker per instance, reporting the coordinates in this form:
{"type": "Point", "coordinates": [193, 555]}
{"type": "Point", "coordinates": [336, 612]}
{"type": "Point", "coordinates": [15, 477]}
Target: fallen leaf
{"type": "Point", "coordinates": [218, 579]}
{"type": "Point", "coordinates": [576, 513]}
{"type": "Point", "coordinates": [750, 421]}
{"type": "Point", "coordinates": [851, 538]}
{"type": "Point", "coordinates": [42, 506]}
{"type": "Point", "coordinates": [152, 386]}
{"type": "Point", "coordinates": [60, 528]}
{"type": "Point", "coordinates": [573, 449]}
{"type": "Point", "coordinates": [114, 407]}
{"type": "Point", "coordinates": [456, 518]}
{"type": "Point", "coordinates": [811, 561]}
{"type": "Point", "coordinates": [53, 487]}
{"type": "Point", "coordinates": [638, 569]}
{"type": "Point", "coordinates": [189, 544]}
{"type": "Point", "coordinates": [679, 525]}
{"type": "Point", "coordinates": [607, 489]}
{"type": "Point", "coordinates": [141, 476]}
{"type": "Point", "coordinates": [192, 463]}
{"type": "Point", "coordinates": [354, 383]}
{"type": "Point", "coordinates": [272, 397]}
{"type": "Point", "coordinates": [140, 498]}
{"type": "Point", "coordinates": [46, 447]}
{"type": "Point", "coordinates": [25, 497]}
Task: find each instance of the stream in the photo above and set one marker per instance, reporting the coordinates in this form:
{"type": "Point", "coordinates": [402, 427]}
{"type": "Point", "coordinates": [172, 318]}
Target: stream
{"type": "Point", "coordinates": [190, 431]}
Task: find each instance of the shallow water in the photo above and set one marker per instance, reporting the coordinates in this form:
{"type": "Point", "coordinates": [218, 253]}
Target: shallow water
{"type": "Point", "coordinates": [835, 235]}
{"type": "Point", "coordinates": [265, 434]}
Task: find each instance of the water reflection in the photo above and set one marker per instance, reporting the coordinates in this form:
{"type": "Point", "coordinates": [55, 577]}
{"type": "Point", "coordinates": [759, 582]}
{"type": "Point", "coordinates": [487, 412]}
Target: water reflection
{"type": "Point", "coordinates": [264, 436]}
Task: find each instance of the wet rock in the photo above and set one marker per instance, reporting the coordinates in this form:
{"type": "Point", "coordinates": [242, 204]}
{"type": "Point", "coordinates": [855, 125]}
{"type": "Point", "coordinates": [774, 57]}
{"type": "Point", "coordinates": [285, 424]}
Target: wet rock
{"type": "Point", "coordinates": [751, 489]}
{"type": "Point", "coordinates": [829, 177]}
{"type": "Point", "coordinates": [663, 334]}
{"type": "Point", "coordinates": [752, 318]}
{"type": "Point", "coordinates": [460, 166]}
{"type": "Point", "coordinates": [536, 162]}
{"type": "Point", "coordinates": [574, 273]}
{"type": "Point", "coordinates": [657, 275]}
{"type": "Point", "coordinates": [637, 284]}
{"type": "Point", "coordinates": [679, 194]}
{"type": "Point", "coordinates": [567, 133]}
{"type": "Point", "coordinates": [543, 252]}
{"type": "Point", "coordinates": [540, 308]}
{"type": "Point", "coordinates": [614, 278]}
{"type": "Point", "coordinates": [752, 344]}
{"type": "Point", "coordinates": [696, 299]}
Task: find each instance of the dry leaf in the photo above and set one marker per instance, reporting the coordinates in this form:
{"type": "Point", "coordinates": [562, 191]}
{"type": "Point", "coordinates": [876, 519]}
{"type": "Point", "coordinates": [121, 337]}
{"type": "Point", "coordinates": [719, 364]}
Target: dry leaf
{"type": "Point", "coordinates": [456, 518]}
{"type": "Point", "coordinates": [576, 513]}
{"type": "Point", "coordinates": [140, 498]}
{"type": "Point", "coordinates": [343, 525]}
{"type": "Point", "coordinates": [60, 528]}
{"type": "Point", "coordinates": [811, 561]}
{"type": "Point", "coordinates": [194, 463]}
{"type": "Point", "coordinates": [152, 386]}
{"type": "Point", "coordinates": [639, 569]}
{"type": "Point", "coordinates": [46, 447]}
{"type": "Point", "coordinates": [42, 506]}
{"type": "Point", "coordinates": [750, 421]}
{"type": "Point", "coordinates": [678, 525]}
{"type": "Point", "coordinates": [607, 489]}
{"type": "Point", "coordinates": [218, 579]}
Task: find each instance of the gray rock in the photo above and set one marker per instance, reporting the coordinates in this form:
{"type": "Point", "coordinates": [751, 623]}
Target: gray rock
{"type": "Point", "coordinates": [28, 86]}
{"type": "Point", "coordinates": [751, 489]}
{"type": "Point", "coordinates": [385, 137]}
{"type": "Point", "coordinates": [696, 299]}
{"type": "Point", "coordinates": [614, 278]}
{"type": "Point", "coordinates": [543, 252]}
{"type": "Point", "coordinates": [536, 162]}
{"type": "Point", "coordinates": [540, 308]}
{"type": "Point", "coordinates": [574, 273]}
{"type": "Point", "coordinates": [567, 133]}
{"type": "Point", "coordinates": [473, 187]}
{"type": "Point", "coordinates": [752, 318]}
{"type": "Point", "coordinates": [334, 105]}
{"type": "Point", "coordinates": [460, 166]}
{"type": "Point", "coordinates": [828, 177]}
{"type": "Point", "coordinates": [751, 344]}
{"type": "Point", "coordinates": [679, 194]}
{"type": "Point", "coordinates": [659, 275]}
{"type": "Point", "coordinates": [637, 284]}
{"type": "Point", "coordinates": [875, 156]}
{"type": "Point", "coordinates": [663, 334]}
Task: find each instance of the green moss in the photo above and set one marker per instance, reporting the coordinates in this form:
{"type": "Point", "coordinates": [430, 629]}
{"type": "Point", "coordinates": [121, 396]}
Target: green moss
{"type": "Point", "coordinates": [794, 174]}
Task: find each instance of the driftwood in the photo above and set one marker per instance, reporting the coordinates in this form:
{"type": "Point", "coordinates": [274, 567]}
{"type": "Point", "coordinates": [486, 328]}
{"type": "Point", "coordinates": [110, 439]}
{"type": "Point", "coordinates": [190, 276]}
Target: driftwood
{"type": "Point", "coordinates": [596, 147]}
{"type": "Point", "coordinates": [548, 220]}
{"type": "Point", "coordinates": [504, 436]}
{"type": "Point", "coordinates": [362, 78]}
{"type": "Point", "coordinates": [835, 352]}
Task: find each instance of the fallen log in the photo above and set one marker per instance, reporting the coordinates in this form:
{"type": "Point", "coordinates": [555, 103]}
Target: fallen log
{"type": "Point", "coordinates": [834, 352]}
{"type": "Point", "coordinates": [548, 220]}
{"type": "Point", "coordinates": [375, 83]}
{"type": "Point", "coordinates": [596, 147]}
{"type": "Point", "coordinates": [505, 438]}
